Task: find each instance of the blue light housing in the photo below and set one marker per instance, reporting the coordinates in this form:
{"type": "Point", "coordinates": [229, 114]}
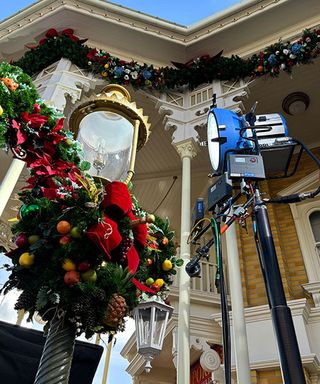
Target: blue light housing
{"type": "Point", "coordinates": [223, 136]}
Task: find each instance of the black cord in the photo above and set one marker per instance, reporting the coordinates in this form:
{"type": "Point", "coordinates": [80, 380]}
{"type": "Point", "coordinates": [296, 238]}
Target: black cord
{"type": "Point", "coordinates": [224, 313]}
{"type": "Point", "coordinates": [165, 196]}
{"type": "Point", "coordinates": [296, 197]}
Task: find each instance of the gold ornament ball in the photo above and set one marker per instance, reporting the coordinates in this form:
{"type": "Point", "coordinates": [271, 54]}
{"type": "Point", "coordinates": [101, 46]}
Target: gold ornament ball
{"type": "Point", "coordinates": [1, 111]}
{"type": "Point", "coordinates": [26, 260]}
{"type": "Point", "coordinates": [167, 265]}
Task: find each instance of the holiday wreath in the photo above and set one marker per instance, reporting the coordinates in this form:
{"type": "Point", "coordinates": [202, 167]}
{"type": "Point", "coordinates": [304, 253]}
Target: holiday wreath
{"type": "Point", "coordinates": [82, 248]}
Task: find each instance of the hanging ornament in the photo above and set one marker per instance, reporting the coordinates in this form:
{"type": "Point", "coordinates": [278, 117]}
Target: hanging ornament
{"type": "Point", "coordinates": [26, 260]}
{"type": "Point", "coordinates": [63, 227]}
{"type": "Point", "coordinates": [10, 83]}
{"type": "Point", "coordinates": [71, 278]}
{"type": "Point", "coordinates": [1, 111]}
{"type": "Point", "coordinates": [159, 282]}
{"type": "Point", "coordinates": [260, 67]}
{"type": "Point", "coordinates": [21, 240]}
{"type": "Point", "coordinates": [165, 241]}
{"type": "Point", "coordinates": [68, 265]}
{"type": "Point", "coordinates": [28, 210]}
{"type": "Point", "coordinates": [167, 265]}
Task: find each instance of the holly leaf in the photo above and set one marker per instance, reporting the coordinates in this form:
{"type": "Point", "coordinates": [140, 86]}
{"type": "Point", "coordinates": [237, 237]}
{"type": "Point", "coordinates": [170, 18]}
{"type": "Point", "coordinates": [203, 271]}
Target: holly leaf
{"type": "Point", "coordinates": [42, 298]}
{"type": "Point", "coordinates": [85, 166]}
{"type": "Point", "coordinates": [179, 262]}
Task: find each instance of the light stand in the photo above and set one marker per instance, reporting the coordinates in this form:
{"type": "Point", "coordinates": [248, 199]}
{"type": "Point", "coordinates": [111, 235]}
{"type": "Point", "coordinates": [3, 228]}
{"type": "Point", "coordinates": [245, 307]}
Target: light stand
{"type": "Point", "coordinates": [290, 359]}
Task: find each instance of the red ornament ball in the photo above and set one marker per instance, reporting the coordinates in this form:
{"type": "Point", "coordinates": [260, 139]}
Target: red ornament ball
{"type": "Point", "coordinates": [71, 278]}
{"type": "Point", "coordinates": [260, 68]}
{"type": "Point", "coordinates": [64, 240]}
{"type": "Point", "coordinates": [83, 266]}
{"type": "Point", "coordinates": [21, 240]}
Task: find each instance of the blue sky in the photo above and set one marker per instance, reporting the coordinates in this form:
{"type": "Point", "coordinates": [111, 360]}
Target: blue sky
{"type": "Point", "coordinates": [178, 11]}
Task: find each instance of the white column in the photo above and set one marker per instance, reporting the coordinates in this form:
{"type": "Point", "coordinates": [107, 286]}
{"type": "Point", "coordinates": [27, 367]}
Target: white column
{"type": "Point", "coordinates": [187, 150]}
{"type": "Point", "coordinates": [238, 319]}
{"type": "Point", "coordinates": [9, 181]}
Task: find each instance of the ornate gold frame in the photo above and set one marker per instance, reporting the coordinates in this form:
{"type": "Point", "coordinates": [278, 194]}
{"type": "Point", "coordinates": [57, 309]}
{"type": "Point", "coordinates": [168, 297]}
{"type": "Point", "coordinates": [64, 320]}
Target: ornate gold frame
{"type": "Point", "coordinates": [117, 99]}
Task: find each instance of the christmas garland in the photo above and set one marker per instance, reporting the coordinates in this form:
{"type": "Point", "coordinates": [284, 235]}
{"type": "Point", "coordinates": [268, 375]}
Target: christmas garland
{"type": "Point", "coordinates": [82, 248]}
{"type": "Point", "coordinates": [281, 56]}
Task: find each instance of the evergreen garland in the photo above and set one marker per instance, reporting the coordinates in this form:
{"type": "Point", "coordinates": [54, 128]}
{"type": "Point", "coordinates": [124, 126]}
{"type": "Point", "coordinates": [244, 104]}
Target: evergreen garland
{"type": "Point", "coordinates": [281, 56]}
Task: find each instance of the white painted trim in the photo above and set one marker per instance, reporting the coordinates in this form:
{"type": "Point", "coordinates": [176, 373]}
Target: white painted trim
{"type": "Point", "coordinates": [303, 185]}
{"type": "Point", "coordinates": [301, 213]}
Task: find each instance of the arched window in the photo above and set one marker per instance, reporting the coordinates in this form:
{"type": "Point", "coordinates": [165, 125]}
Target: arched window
{"type": "Point", "coordinates": [315, 225]}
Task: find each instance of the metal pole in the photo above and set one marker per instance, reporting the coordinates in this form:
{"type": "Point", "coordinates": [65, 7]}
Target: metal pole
{"type": "Point", "coordinates": [56, 359]}
{"type": "Point", "coordinates": [107, 363]}
{"type": "Point", "coordinates": [240, 341]}
{"type": "Point", "coordinates": [290, 360]}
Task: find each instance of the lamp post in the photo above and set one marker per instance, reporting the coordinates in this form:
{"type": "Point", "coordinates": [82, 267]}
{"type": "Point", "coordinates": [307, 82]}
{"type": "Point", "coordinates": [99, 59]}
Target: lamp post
{"type": "Point", "coordinates": [110, 129]}
{"type": "Point", "coordinates": [151, 319]}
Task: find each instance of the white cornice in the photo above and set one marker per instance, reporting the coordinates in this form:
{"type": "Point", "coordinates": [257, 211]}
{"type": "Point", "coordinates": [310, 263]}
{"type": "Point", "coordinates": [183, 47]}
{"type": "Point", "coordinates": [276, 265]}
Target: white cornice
{"type": "Point", "coordinates": [229, 30]}
{"type": "Point", "coordinates": [299, 307]}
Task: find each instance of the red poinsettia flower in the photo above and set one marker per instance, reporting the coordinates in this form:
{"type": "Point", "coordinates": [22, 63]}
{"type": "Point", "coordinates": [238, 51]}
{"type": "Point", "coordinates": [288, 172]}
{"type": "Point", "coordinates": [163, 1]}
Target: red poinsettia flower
{"type": "Point", "coordinates": [67, 32]}
{"type": "Point", "coordinates": [92, 54]}
{"type": "Point", "coordinates": [51, 33]}
{"type": "Point", "coordinates": [21, 135]}
{"type": "Point", "coordinates": [74, 38]}
{"type": "Point", "coordinates": [35, 120]}
{"type": "Point", "coordinates": [42, 41]}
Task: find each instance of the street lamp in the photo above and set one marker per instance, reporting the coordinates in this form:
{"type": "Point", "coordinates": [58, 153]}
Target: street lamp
{"type": "Point", "coordinates": [111, 129]}
{"type": "Point", "coordinates": [151, 319]}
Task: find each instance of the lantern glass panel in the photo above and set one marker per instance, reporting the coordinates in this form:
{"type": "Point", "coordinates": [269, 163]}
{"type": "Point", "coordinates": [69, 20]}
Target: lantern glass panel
{"type": "Point", "coordinates": [144, 321]}
{"type": "Point", "coordinates": [160, 322]}
{"type": "Point", "coordinates": [106, 139]}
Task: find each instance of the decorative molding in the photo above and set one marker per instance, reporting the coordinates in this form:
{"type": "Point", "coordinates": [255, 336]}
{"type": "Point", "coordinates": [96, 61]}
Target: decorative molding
{"type": "Point", "coordinates": [138, 20]}
{"type": "Point", "coordinates": [305, 184]}
{"type": "Point", "coordinates": [313, 289]}
{"type": "Point", "coordinates": [187, 148]}
{"type": "Point", "coordinates": [311, 362]}
{"type": "Point", "coordinates": [209, 360]}
{"type": "Point", "coordinates": [299, 307]}
{"type": "Point", "coordinates": [63, 79]}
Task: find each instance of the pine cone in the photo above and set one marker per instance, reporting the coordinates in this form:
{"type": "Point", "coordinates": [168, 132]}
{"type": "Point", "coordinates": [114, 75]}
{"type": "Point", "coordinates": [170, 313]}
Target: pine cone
{"type": "Point", "coordinates": [90, 320]}
{"type": "Point", "coordinates": [99, 295]}
{"type": "Point", "coordinates": [116, 310]}
{"type": "Point", "coordinates": [25, 301]}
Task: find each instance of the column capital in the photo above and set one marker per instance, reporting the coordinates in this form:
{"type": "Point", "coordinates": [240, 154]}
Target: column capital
{"type": "Point", "coordinates": [187, 148]}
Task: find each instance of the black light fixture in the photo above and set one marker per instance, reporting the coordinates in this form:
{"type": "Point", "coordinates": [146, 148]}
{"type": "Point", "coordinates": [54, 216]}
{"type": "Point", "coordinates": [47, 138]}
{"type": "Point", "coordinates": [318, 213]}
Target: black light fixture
{"type": "Point", "coordinates": [295, 103]}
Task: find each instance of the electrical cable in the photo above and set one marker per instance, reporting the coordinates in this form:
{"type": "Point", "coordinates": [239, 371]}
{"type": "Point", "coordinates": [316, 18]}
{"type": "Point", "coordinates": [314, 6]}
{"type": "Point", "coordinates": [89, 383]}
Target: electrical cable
{"type": "Point", "coordinates": [224, 306]}
{"type": "Point", "coordinates": [165, 196]}
{"type": "Point", "coordinates": [193, 228]}
{"type": "Point", "coordinates": [296, 197]}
